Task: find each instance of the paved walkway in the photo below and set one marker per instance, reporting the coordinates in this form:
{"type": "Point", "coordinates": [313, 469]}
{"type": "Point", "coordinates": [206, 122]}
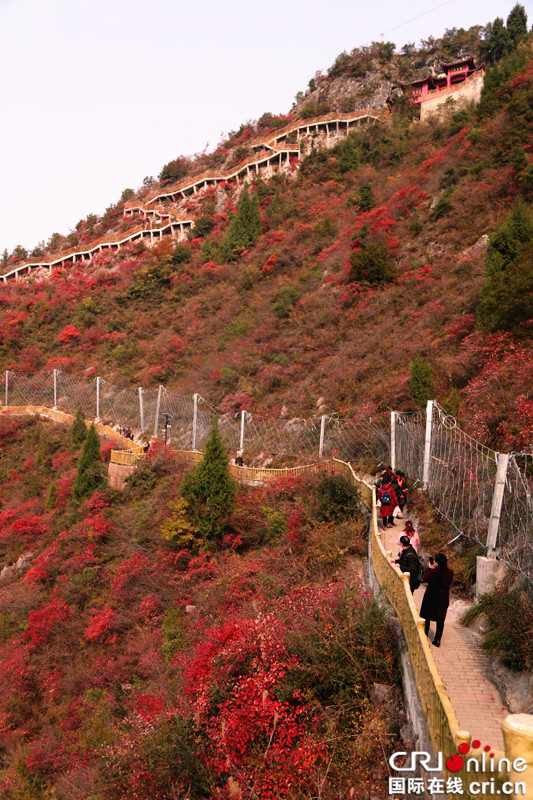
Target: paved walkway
{"type": "Point", "coordinates": [464, 668]}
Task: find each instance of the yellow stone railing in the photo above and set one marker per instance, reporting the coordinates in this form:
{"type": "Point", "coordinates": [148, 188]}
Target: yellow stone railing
{"type": "Point", "coordinates": [246, 474]}
{"type": "Point", "coordinates": [62, 416]}
{"type": "Point", "coordinates": [441, 719]}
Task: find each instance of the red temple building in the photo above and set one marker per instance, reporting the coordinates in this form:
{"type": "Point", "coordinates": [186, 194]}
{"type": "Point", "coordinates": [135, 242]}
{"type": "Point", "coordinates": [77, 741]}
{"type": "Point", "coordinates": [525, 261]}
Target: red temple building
{"type": "Point", "coordinates": [461, 79]}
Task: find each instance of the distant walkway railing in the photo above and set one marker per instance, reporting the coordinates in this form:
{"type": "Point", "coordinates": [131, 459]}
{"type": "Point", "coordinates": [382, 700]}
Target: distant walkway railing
{"type": "Point", "coordinates": [275, 155]}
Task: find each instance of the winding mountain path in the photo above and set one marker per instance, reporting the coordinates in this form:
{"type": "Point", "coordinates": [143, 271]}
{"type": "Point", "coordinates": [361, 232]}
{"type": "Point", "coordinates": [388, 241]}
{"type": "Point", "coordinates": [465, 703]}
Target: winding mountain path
{"type": "Point", "coordinates": [271, 154]}
{"type": "Point", "coordinates": [464, 668]}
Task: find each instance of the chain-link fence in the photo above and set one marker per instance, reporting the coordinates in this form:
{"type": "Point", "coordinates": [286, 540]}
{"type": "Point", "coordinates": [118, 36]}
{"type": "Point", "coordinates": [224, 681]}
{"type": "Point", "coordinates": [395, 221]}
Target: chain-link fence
{"type": "Point", "coordinates": [459, 472]}
{"type": "Point", "coordinates": [515, 535]}
{"type": "Point", "coordinates": [409, 444]}
{"type": "Point", "coordinates": [462, 474]}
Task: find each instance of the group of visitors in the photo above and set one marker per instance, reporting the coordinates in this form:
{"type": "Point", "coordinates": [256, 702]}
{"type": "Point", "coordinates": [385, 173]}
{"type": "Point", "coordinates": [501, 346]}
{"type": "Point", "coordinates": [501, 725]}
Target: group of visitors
{"type": "Point", "coordinates": [127, 433]}
{"type": "Point", "coordinates": [392, 496]}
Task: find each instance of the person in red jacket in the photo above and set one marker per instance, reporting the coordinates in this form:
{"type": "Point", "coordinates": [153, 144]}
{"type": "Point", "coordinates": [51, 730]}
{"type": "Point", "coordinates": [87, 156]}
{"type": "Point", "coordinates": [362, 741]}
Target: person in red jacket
{"type": "Point", "coordinates": [387, 498]}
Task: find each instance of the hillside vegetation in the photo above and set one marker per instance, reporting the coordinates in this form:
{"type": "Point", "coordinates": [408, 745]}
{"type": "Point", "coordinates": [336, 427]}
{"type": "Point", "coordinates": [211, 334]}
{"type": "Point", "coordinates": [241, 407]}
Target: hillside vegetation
{"type": "Point", "coordinates": [372, 255]}
{"type": "Point", "coordinates": [146, 656]}
{"type": "Point", "coordinates": [189, 638]}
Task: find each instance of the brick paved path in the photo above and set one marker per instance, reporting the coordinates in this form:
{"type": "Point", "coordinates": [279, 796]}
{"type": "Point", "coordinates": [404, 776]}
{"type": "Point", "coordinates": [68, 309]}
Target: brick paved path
{"type": "Point", "coordinates": [464, 668]}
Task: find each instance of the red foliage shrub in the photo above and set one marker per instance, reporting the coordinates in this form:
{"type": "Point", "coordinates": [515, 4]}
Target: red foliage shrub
{"type": "Point", "coordinates": [69, 333]}
{"type": "Point", "coordinates": [130, 571]}
{"type": "Point", "coordinates": [101, 625]}
{"type": "Point", "coordinates": [43, 622]}
{"type": "Point", "coordinates": [98, 527]}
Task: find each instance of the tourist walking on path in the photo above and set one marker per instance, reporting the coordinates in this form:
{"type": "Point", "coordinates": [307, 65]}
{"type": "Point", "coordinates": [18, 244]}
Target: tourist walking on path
{"type": "Point", "coordinates": [438, 577]}
{"type": "Point", "coordinates": [399, 484]}
{"type": "Point", "coordinates": [409, 562]}
{"type": "Point", "coordinates": [388, 502]}
{"type": "Point", "coordinates": [409, 531]}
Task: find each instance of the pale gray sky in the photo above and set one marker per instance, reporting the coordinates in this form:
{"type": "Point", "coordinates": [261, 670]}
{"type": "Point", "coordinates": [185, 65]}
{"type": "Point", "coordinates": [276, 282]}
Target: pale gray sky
{"type": "Point", "coordinates": [97, 94]}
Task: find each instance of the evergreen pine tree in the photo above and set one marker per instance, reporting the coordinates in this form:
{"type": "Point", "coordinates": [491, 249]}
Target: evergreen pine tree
{"type": "Point", "coordinates": [506, 297]}
{"type": "Point", "coordinates": [517, 24]}
{"type": "Point", "coordinates": [89, 477]}
{"type": "Point", "coordinates": [78, 432]}
{"type": "Point", "coordinates": [244, 228]}
{"type": "Point", "coordinates": [500, 42]}
{"type": "Point", "coordinates": [349, 156]}
{"type": "Point", "coordinates": [363, 199]}
{"type": "Point", "coordinates": [420, 381]}
{"type": "Point", "coordinates": [210, 490]}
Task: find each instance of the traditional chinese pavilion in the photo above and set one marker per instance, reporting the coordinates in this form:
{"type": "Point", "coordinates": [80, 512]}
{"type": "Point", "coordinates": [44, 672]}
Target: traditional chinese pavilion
{"type": "Point", "coordinates": [452, 75]}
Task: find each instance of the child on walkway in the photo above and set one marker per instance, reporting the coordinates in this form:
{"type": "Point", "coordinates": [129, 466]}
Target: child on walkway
{"type": "Point", "coordinates": [409, 531]}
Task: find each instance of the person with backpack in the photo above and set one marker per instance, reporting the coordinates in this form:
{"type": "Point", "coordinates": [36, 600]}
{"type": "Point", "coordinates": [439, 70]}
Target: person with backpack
{"type": "Point", "coordinates": [409, 562]}
{"type": "Point", "coordinates": [438, 577]}
{"type": "Point", "coordinates": [388, 502]}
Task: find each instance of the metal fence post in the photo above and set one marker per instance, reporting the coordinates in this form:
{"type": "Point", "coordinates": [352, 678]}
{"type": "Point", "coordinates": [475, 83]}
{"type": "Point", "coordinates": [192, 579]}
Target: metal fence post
{"type": "Point", "coordinates": [6, 387]}
{"type": "Point", "coordinates": [141, 408]}
{"type": "Point", "coordinates": [157, 406]}
{"type": "Point", "coordinates": [194, 420]}
{"type": "Point", "coordinates": [322, 429]}
{"type": "Point", "coordinates": [427, 444]}
{"type": "Point", "coordinates": [55, 388]}
{"type": "Point", "coordinates": [497, 500]}
{"type": "Point", "coordinates": [393, 440]}
{"type": "Point", "coordinates": [241, 440]}
{"type": "Point", "coordinates": [97, 399]}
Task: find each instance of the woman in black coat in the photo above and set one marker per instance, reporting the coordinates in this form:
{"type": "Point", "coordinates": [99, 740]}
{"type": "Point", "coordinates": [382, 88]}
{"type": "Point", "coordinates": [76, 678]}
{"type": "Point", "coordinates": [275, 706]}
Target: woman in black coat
{"type": "Point", "coordinates": [437, 596]}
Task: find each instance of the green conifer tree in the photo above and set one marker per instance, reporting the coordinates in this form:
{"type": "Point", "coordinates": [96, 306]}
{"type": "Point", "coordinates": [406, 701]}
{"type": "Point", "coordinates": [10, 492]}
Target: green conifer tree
{"type": "Point", "coordinates": [210, 490]}
{"type": "Point", "coordinates": [244, 228]}
{"type": "Point", "coordinates": [420, 381]}
{"type": "Point", "coordinates": [349, 156]}
{"type": "Point", "coordinates": [78, 432]}
{"type": "Point", "coordinates": [363, 199]}
{"type": "Point", "coordinates": [500, 42]}
{"type": "Point", "coordinates": [89, 477]}
{"type": "Point", "coordinates": [517, 24]}
{"type": "Point", "coordinates": [506, 297]}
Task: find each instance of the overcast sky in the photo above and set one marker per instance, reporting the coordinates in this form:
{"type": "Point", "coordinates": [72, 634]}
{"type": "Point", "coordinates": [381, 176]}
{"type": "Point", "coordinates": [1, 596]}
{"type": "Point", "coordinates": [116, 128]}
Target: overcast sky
{"type": "Point", "coordinates": [97, 94]}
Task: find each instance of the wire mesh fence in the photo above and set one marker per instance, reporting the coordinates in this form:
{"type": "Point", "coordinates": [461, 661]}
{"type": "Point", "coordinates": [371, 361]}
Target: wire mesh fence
{"type": "Point", "coordinates": [27, 389]}
{"type": "Point", "coordinates": [462, 475]}
{"type": "Point", "coordinates": [73, 394]}
{"type": "Point", "coordinates": [358, 438]}
{"type": "Point", "coordinates": [281, 438]}
{"type": "Point", "coordinates": [516, 519]}
{"type": "Point", "coordinates": [409, 440]}
{"type": "Point", "coordinates": [459, 472]}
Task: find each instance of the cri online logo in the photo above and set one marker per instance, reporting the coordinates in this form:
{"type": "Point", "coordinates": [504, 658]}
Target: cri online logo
{"type": "Point", "coordinates": [479, 762]}
{"type": "Point", "coordinates": [456, 763]}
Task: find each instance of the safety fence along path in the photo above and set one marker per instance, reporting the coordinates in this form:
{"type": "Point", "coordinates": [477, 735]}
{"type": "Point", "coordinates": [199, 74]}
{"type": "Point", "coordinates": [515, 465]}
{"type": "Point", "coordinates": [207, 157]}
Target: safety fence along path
{"type": "Point", "coordinates": [486, 497]}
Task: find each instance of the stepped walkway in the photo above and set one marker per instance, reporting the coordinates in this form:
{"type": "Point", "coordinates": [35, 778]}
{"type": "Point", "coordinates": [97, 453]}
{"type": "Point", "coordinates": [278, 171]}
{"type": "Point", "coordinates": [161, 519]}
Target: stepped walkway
{"type": "Point", "coordinates": [463, 667]}
{"type": "Point", "coordinates": [273, 154]}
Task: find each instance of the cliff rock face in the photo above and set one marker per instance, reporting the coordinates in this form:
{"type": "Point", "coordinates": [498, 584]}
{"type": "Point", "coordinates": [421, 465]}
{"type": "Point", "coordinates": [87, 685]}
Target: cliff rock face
{"type": "Point", "coordinates": [346, 93]}
{"type": "Point", "coordinates": [355, 83]}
